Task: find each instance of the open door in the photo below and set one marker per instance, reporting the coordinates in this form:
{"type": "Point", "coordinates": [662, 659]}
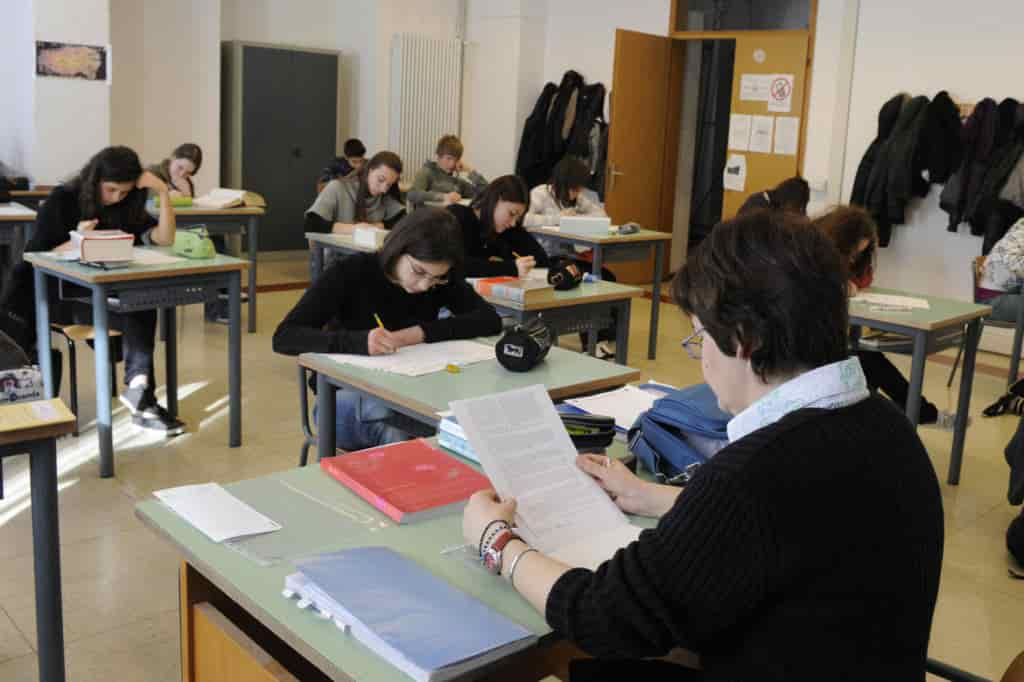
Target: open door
{"type": "Point", "coordinates": [644, 105]}
{"type": "Point", "coordinates": [769, 85]}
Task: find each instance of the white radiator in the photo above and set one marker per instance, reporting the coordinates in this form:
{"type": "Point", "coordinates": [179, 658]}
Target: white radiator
{"type": "Point", "coordinates": [426, 96]}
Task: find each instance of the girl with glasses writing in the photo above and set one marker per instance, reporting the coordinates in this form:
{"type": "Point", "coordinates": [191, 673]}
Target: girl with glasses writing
{"type": "Point", "coordinates": [415, 275]}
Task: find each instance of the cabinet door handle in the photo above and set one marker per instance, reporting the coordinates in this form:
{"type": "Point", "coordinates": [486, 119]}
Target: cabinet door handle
{"type": "Point", "coordinates": [297, 152]}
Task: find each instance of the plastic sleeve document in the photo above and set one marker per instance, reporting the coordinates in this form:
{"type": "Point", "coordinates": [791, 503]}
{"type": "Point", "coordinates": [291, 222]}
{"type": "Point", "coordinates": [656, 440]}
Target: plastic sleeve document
{"type": "Point", "coordinates": [526, 452]}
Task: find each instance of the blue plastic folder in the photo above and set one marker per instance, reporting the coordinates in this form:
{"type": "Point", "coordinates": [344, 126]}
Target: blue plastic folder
{"type": "Point", "coordinates": [416, 621]}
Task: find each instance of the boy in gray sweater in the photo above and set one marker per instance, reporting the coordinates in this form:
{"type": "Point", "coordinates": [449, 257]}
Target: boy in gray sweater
{"type": "Point", "coordinates": [447, 180]}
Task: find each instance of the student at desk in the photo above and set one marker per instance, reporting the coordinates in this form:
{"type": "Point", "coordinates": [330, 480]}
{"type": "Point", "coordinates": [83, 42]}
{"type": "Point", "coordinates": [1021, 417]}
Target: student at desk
{"type": "Point", "coordinates": [809, 548]}
{"type": "Point", "coordinates": [177, 170]}
{"type": "Point", "coordinates": [855, 235]}
{"type": "Point", "coordinates": [376, 303]}
{"type": "Point", "coordinates": [449, 179]}
{"type": "Point", "coordinates": [565, 195]}
{"type": "Point", "coordinates": [352, 159]}
{"type": "Point", "coordinates": [108, 193]}
{"type": "Point", "coordinates": [368, 198]}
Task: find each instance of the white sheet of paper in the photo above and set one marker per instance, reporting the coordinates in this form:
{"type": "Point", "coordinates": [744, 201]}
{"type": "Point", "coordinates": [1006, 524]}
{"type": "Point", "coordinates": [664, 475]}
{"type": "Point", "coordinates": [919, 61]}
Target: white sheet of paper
{"type": "Point", "coordinates": [780, 92]}
{"type": "Point", "coordinates": [761, 129]}
{"type": "Point", "coordinates": [538, 274]}
{"type": "Point", "coordinates": [142, 256]}
{"type": "Point", "coordinates": [15, 208]}
{"type": "Point", "coordinates": [754, 87]}
{"type": "Point", "coordinates": [739, 132]}
{"type": "Point", "coordinates": [215, 512]}
{"type": "Point", "coordinates": [891, 301]}
{"type": "Point", "coordinates": [734, 176]}
{"type": "Point", "coordinates": [423, 358]}
{"type": "Point", "coordinates": [787, 134]}
{"type": "Point", "coordinates": [624, 404]}
{"type": "Point", "coordinates": [526, 452]}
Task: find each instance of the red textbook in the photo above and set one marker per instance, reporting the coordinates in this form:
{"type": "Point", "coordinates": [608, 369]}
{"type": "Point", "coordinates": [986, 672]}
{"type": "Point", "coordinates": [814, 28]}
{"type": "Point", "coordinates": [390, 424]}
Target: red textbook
{"type": "Point", "coordinates": [408, 481]}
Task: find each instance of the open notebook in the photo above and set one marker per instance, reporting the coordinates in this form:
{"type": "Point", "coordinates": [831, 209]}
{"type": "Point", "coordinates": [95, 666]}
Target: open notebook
{"type": "Point", "coordinates": [423, 358]}
{"type": "Point", "coordinates": [417, 622]}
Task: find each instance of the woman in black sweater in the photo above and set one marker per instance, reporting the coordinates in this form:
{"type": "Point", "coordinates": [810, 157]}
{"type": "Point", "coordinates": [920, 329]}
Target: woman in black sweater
{"type": "Point", "coordinates": [406, 285]}
{"type": "Point", "coordinates": [492, 231]}
{"type": "Point", "coordinates": [109, 193]}
{"type": "Point", "coordinates": [810, 547]}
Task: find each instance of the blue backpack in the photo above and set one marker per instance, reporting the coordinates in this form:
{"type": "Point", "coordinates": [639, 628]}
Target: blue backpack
{"type": "Point", "coordinates": [680, 432]}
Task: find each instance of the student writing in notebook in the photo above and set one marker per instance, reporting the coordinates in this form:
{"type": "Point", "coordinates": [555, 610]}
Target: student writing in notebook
{"type": "Point", "coordinates": [108, 193]}
{"type": "Point", "coordinates": [492, 234]}
{"type": "Point", "coordinates": [448, 179]}
{"type": "Point", "coordinates": [368, 198]}
{"type": "Point", "coordinates": [808, 548]}
{"type": "Point", "coordinates": [177, 170]}
{"type": "Point", "coordinates": [405, 285]}
{"type": "Point", "coordinates": [855, 235]}
{"type": "Point", "coordinates": [352, 159]}
{"type": "Point", "coordinates": [565, 195]}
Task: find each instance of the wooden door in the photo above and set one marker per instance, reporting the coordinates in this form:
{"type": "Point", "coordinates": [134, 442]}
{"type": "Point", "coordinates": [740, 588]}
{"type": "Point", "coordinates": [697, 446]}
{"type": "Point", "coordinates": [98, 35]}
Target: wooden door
{"type": "Point", "coordinates": [765, 56]}
{"type": "Point", "coordinates": [644, 116]}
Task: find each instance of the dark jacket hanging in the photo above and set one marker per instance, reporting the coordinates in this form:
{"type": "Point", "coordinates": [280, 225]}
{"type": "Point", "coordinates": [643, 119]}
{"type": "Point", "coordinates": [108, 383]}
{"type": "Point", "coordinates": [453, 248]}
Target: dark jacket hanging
{"type": "Point", "coordinates": [589, 111]}
{"type": "Point", "coordinates": [942, 145]}
{"type": "Point", "coordinates": [530, 158]}
{"type": "Point", "coordinates": [978, 135]}
{"type": "Point", "coordinates": [1004, 160]}
{"type": "Point", "coordinates": [559, 123]}
{"type": "Point", "coordinates": [887, 117]}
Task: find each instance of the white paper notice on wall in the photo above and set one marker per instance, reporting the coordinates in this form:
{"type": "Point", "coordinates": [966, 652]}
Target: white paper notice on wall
{"type": "Point", "coordinates": [739, 132]}
{"type": "Point", "coordinates": [734, 177]}
{"type": "Point", "coordinates": [787, 134]}
{"type": "Point", "coordinates": [780, 92]}
{"type": "Point", "coordinates": [755, 87]}
{"type": "Point", "coordinates": [761, 128]}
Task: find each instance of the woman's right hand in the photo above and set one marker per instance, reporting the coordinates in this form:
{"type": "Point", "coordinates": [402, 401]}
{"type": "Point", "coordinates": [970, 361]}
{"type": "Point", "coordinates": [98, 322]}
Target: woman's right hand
{"type": "Point", "coordinates": [87, 225]}
{"type": "Point", "coordinates": [568, 211]}
{"type": "Point", "coordinates": [630, 493]}
{"type": "Point", "coordinates": [381, 342]}
{"type": "Point", "coordinates": [451, 198]}
{"type": "Point", "coordinates": [524, 265]}
{"type": "Point", "coordinates": [851, 289]}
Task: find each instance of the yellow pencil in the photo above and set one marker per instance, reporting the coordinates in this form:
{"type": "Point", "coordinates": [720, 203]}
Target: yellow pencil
{"type": "Point", "coordinates": [379, 323]}
{"type": "Point", "coordinates": [516, 254]}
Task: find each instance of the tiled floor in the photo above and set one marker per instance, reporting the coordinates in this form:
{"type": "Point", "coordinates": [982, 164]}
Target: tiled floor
{"type": "Point", "coordinates": [119, 579]}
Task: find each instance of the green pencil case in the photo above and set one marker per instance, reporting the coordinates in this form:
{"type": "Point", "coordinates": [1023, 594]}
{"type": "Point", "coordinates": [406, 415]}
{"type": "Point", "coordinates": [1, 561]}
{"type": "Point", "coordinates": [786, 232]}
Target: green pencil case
{"type": "Point", "coordinates": [176, 202]}
{"type": "Point", "coordinates": [193, 243]}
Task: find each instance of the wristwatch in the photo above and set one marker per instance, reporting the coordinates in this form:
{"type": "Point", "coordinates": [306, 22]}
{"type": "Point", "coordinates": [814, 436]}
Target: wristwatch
{"type": "Point", "coordinates": [494, 551]}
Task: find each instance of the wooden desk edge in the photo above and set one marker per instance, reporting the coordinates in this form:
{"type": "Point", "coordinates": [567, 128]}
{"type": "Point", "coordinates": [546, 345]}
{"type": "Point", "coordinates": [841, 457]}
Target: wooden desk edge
{"type": "Point", "coordinates": [42, 428]}
{"type": "Point", "coordinates": [53, 266]}
{"type": "Point", "coordinates": [895, 319]}
{"type": "Point", "coordinates": [650, 236]}
{"type": "Point", "coordinates": [566, 302]}
{"type": "Point", "coordinates": [200, 211]}
{"type": "Point", "coordinates": [227, 587]}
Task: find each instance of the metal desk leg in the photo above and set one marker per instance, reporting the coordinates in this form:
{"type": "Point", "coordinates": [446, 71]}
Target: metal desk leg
{"type": "Point", "coordinates": [1018, 337]}
{"type": "Point", "coordinates": [43, 332]}
{"type": "Point", "coordinates": [46, 560]}
{"type": "Point", "coordinates": [170, 334]}
{"type": "Point", "coordinates": [235, 355]}
{"type": "Point", "coordinates": [963, 401]}
{"type": "Point", "coordinates": [917, 378]}
{"type": "Point", "coordinates": [17, 246]}
{"type": "Point", "coordinates": [659, 266]}
{"type": "Point", "coordinates": [622, 332]}
{"type": "Point", "coordinates": [598, 263]}
{"type": "Point", "coordinates": [316, 260]}
{"type": "Point", "coordinates": [326, 417]}
{"type": "Point", "coordinates": [104, 430]}
{"type": "Point", "coordinates": [254, 231]}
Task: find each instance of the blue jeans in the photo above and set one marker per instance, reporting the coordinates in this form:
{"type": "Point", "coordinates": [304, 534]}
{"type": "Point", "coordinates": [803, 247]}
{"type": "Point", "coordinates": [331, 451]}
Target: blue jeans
{"type": "Point", "coordinates": [1005, 307]}
{"type": "Point", "coordinates": [363, 422]}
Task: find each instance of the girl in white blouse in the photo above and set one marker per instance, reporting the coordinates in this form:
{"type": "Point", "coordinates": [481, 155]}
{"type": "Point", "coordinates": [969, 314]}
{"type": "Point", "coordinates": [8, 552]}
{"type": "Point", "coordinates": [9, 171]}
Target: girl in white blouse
{"type": "Point", "coordinates": [565, 195]}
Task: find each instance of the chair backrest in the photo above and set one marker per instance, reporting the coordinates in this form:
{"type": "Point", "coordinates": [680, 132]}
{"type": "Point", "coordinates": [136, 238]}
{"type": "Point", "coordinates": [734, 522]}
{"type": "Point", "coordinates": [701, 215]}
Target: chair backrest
{"type": "Point", "coordinates": [977, 268]}
{"type": "Point", "coordinates": [1015, 673]}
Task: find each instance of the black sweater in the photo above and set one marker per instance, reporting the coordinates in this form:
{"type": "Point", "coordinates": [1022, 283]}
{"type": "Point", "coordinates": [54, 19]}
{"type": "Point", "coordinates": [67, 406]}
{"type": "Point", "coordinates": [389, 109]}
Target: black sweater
{"type": "Point", "coordinates": [60, 214]}
{"type": "Point", "coordinates": [807, 550]}
{"type": "Point", "coordinates": [495, 257]}
{"type": "Point", "coordinates": [337, 312]}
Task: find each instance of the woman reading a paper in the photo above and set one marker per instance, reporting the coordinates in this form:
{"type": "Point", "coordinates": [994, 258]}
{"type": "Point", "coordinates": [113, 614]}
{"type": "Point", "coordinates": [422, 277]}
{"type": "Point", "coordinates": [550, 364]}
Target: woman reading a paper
{"type": "Point", "coordinates": [809, 547]}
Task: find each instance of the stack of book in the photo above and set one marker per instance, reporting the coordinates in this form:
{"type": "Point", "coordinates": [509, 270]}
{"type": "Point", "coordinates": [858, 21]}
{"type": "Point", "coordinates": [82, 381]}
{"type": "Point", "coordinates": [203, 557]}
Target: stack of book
{"type": "Point", "coordinates": [452, 437]}
{"type": "Point", "coordinates": [522, 291]}
{"type": "Point", "coordinates": [103, 246]}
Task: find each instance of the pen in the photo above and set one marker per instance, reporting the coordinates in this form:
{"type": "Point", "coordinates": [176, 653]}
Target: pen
{"type": "Point", "coordinates": [607, 462]}
{"type": "Point", "coordinates": [516, 254]}
{"type": "Point", "coordinates": [379, 323]}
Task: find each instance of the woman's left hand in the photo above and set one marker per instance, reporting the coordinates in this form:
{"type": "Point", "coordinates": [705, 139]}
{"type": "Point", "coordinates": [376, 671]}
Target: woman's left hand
{"type": "Point", "coordinates": [482, 508]}
{"type": "Point", "coordinates": [149, 181]}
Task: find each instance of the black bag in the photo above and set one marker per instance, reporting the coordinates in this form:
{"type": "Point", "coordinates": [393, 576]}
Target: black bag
{"type": "Point", "coordinates": [565, 275]}
{"type": "Point", "coordinates": [1015, 541]}
{"type": "Point", "coordinates": [589, 431]}
{"type": "Point", "coordinates": [524, 346]}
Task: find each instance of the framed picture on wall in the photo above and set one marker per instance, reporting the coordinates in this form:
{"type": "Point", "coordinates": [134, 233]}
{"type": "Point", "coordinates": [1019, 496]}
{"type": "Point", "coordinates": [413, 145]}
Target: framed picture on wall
{"type": "Point", "coordinates": [68, 60]}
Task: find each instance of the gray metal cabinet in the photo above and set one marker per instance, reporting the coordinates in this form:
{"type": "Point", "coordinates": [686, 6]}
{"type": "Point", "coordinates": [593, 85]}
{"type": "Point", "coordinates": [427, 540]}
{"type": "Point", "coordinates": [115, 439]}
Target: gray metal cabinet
{"type": "Point", "coordinates": [279, 120]}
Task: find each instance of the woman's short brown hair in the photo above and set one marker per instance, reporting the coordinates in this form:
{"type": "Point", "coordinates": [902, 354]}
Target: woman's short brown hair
{"type": "Point", "coordinates": [769, 284]}
{"type": "Point", "coordinates": [847, 227]}
{"type": "Point", "coordinates": [449, 145]}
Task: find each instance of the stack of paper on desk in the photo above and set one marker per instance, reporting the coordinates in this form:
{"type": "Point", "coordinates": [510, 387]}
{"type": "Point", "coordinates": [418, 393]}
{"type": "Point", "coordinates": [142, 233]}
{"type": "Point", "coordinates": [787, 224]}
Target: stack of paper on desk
{"type": "Point", "coordinates": [526, 452]}
{"type": "Point", "coordinates": [423, 358]}
{"type": "Point", "coordinates": [891, 301]}
{"type": "Point", "coordinates": [215, 512]}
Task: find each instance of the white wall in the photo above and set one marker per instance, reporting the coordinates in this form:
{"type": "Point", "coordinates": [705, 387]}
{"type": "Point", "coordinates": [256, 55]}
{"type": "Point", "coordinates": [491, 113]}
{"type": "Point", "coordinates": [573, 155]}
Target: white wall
{"type": "Point", "coordinates": [17, 62]}
{"type": "Point", "coordinates": [349, 26]}
{"type": "Point", "coordinates": [71, 117]}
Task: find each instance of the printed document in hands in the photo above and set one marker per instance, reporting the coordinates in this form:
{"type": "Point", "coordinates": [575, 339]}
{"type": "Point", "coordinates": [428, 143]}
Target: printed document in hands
{"type": "Point", "coordinates": [526, 452]}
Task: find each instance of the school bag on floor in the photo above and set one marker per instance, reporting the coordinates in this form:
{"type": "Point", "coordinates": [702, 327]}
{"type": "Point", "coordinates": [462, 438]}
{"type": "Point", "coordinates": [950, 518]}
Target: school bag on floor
{"type": "Point", "coordinates": [19, 380]}
{"type": "Point", "coordinates": [680, 432]}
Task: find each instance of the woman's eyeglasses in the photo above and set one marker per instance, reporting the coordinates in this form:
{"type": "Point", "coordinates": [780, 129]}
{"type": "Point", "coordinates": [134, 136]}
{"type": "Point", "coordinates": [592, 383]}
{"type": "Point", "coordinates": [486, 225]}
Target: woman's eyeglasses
{"type": "Point", "coordinates": [422, 274]}
{"type": "Point", "coordinates": [694, 343]}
